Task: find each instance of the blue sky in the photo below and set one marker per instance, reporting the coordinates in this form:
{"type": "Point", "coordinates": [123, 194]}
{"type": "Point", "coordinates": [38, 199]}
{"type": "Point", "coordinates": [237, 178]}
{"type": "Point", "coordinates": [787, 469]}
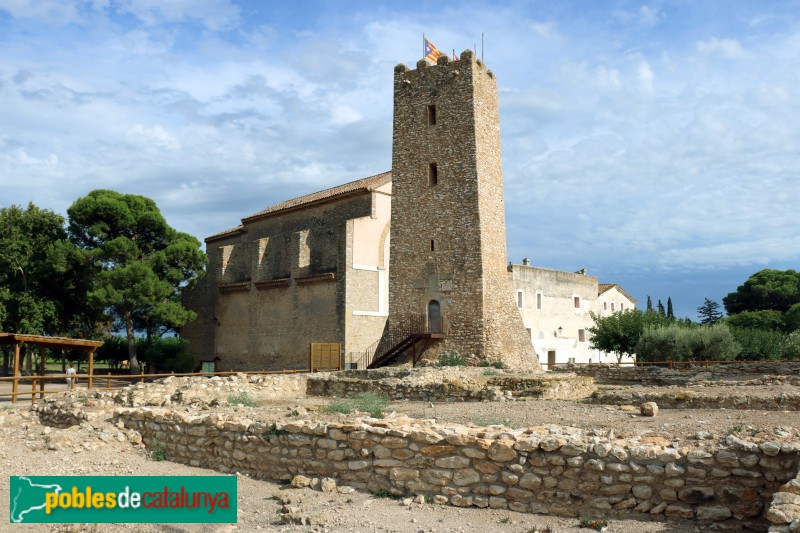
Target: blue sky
{"type": "Point", "coordinates": [653, 143]}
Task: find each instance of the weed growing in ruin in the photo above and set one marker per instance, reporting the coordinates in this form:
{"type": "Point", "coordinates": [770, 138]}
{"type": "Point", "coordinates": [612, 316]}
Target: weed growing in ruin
{"type": "Point", "coordinates": [505, 520]}
{"type": "Point", "coordinates": [383, 493]}
{"type": "Point", "coordinates": [536, 529]}
{"type": "Point", "coordinates": [735, 430]}
{"type": "Point", "coordinates": [499, 365]}
{"type": "Point", "coordinates": [243, 398]}
{"type": "Point", "coordinates": [451, 358]}
{"type": "Point", "coordinates": [484, 422]}
{"type": "Point", "coordinates": [597, 525]}
{"type": "Point", "coordinates": [489, 372]}
{"type": "Point", "coordinates": [366, 402]}
{"type": "Point", "coordinates": [157, 450]}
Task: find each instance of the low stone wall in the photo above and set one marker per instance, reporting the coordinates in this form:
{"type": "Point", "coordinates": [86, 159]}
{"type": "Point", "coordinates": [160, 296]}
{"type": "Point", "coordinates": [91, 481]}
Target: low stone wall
{"type": "Point", "coordinates": [453, 384]}
{"type": "Point", "coordinates": [681, 399]}
{"type": "Point", "coordinates": [657, 375]}
{"type": "Point", "coordinates": [784, 511]}
{"type": "Point", "coordinates": [60, 412]}
{"type": "Point", "coordinates": [214, 390]}
{"type": "Point", "coordinates": [560, 471]}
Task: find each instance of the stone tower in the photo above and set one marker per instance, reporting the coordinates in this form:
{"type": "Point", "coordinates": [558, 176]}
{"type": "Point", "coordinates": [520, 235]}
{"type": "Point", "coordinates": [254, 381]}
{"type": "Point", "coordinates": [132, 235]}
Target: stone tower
{"type": "Point", "coordinates": [448, 238]}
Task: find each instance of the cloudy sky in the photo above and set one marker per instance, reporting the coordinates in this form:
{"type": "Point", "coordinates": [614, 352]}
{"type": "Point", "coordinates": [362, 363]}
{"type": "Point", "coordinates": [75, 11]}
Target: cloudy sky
{"type": "Point", "coordinates": [656, 144]}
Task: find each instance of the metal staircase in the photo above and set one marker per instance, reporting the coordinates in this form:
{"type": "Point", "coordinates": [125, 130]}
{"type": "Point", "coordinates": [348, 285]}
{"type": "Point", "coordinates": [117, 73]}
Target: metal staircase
{"type": "Point", "coordinates": [413, 333]}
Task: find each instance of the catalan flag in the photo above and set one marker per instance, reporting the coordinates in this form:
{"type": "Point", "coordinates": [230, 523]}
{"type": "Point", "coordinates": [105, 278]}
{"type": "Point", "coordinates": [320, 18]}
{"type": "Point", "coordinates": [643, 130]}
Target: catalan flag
{"type": "Point", "coordinates": [431, 53]}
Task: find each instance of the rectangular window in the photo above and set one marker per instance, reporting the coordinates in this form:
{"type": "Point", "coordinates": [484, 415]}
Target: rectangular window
{"type": "Point", "coordinates": [433, 246]}
{"type": "Point", "coordinates": [538, 300]}
{"type": "Point", "coordinates": [577, 301]}
{"type": "Point", "coordinates": [530, 335]}
{"type": "Point", "coordinates": [519, 299]}
{"type": "Point", "coordinates": [431, 115]}
{"type": "Point", "coordinates": [612, 306]}
{"type": "Point", "coordinates": [621, 306]}
{"type": "Point", "coordinates": [582, 335]}
{"type": "Point", "coordinates": [433, 174]}
{"type": "Point", "coordinates": [605, 306]}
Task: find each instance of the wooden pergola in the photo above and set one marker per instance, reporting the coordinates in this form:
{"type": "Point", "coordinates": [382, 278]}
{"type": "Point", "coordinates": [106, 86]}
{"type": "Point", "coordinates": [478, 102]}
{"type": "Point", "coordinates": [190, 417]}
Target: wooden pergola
{"type": "Point", "coordinates": [58, 343]}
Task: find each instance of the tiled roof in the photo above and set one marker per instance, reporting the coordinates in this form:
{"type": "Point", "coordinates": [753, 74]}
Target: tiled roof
{"type": "Point", "coordinates": [225, 233]}
{"type": "Point", "coordinates": [603, 287]}
{"type": "Point", "coordinates": [365, 184]}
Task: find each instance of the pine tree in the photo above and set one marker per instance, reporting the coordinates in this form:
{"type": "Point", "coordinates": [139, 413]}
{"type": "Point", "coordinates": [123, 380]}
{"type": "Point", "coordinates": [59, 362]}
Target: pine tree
{"type": "Point", "coordinates": [709, 312]}
{"type": "Point", "coordinates": [649, 303]}
{"type": "Point", "coordinates": [661, 310]}
{"type": "Point", "coordinates": [670, 314]}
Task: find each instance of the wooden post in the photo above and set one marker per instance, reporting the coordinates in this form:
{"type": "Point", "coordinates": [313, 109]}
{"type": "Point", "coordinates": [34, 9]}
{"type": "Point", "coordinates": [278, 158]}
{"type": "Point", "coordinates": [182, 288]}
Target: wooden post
{"type": "Point", "coordinates": [108, 386]}
{"type": "Point", "coordinates": [33, 391]}
{"type": "Point", "coordinates": [15, 383]}
{"type": "Point", "coordinates": [91, 367]}
{"type": "Point", "coordinates": [142, 374]}
{"type": "Point", "coordinates": [43, 369]}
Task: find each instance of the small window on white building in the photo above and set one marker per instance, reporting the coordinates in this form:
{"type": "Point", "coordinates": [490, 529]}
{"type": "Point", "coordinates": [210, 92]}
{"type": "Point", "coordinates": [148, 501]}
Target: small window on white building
{"type": "Point", "coordinates": [582, 335]}
{"type": "Point", "coordinates": [621, 306]}
{"type": "Point", "coordinates": [519, 298]}
{"type": "Point", "coordinates": [530, 334]}
{"type": "Point", "coordinates": [612, 306]}
{"type": "Point", "coordinates": [538, 300]}
{"type": "Point", "coordinates": [577, 301]}
{"type": "Point", "coordinates": [605, 306]}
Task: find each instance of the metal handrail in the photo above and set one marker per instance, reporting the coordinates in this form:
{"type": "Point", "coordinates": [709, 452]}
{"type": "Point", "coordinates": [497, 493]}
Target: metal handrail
{"type": "Point", "coordinates": [398, 331]}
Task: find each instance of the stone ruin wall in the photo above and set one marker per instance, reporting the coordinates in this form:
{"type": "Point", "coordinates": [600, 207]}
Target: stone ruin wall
{"type": "Point", "coordinates": [560, 471]}
{"type": "Point", "coordinates": [497, 388]}
{"type": "Point", "coordinates": [661, 375]}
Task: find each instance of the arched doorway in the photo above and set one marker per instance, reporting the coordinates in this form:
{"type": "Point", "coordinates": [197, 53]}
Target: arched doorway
{"type": "Point", "coordinates": [434, 317]}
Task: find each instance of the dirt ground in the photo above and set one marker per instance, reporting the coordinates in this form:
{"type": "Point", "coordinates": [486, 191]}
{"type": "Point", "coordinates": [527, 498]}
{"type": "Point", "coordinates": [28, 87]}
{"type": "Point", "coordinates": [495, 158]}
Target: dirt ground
{"type": "Point", "coordinates": [24, 451]}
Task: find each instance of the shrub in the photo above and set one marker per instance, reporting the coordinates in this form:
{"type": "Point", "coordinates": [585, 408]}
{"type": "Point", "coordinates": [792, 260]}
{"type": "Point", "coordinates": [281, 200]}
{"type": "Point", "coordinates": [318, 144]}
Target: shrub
{"type": "Point", "coordinates": [243, 398]}
{"type": "Point", "coordinates": [366, 402]}
{"type": "Point", "coordinates": [451, 358]}
{"type": "Point", "coordinates": [791, 345]}
{"type": "Point", "coordinates": [759, 344]}
{"type": "Point", "coordinates": [687, 343]}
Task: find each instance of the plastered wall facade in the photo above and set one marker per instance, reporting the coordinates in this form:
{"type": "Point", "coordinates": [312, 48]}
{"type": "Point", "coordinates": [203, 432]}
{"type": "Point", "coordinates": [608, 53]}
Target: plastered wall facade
{"type": "Point", "coordinates": [280, 282]}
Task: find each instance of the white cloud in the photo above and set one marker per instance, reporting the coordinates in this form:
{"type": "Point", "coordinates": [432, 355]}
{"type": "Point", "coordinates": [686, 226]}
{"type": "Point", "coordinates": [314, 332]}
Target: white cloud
{"type": "Point", "coordinates": [156, 137]}
{"type": "Point", "coordinates": [546, 30]}
{"type": "Point", "coordinates": [217, 15]}
{"type": "Point", "coordinates": [50, 11]}
{"type": "Point", "coordinates": [727, 48]}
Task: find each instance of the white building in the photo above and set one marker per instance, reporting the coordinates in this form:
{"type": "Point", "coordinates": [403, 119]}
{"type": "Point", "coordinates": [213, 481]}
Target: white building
{"type": "Point", "coordinates": [556, 306]}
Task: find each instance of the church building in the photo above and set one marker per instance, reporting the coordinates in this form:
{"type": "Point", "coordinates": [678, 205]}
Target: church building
{"type": "Point", "coordinates": [400, 266]}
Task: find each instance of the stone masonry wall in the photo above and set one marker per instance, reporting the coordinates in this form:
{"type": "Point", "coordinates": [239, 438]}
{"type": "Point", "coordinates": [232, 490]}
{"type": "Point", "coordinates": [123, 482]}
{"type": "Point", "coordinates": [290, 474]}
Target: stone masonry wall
{"type": "Point", "coordinates": [448, 231]}
{"type": "Point", "coordinates": [560, 471]}
{"type": "Point", "coordinates": [499, 388]}
{"type": "Point", "coordinates": [658, 375]}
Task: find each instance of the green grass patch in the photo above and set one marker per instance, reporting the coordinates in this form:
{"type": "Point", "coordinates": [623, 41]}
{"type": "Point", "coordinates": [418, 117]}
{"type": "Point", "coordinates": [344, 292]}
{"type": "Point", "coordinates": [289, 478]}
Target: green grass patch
{"type": "Point", "coordinates": [383, 493]}
{"type": "Point", "coordinates": [484, 422]}
{"type": "Point", "coordinates": [494, 364]}
{"type": "Point", "coordinates": [597, 525]}
{"type": "Point", "coordinates": [243, 398]}
{"type": "Point", "coordinates": [366, 402]}
{"type": "Point", "coordinates": [451, 358]}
